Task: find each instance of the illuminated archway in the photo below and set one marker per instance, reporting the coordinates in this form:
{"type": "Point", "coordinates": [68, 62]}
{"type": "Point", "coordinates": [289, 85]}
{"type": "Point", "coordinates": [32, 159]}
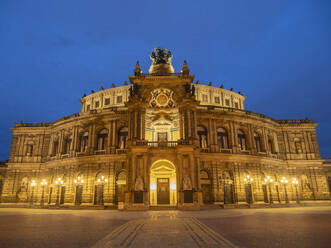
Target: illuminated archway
{"type": "Point", "coordinates": [163, 185]}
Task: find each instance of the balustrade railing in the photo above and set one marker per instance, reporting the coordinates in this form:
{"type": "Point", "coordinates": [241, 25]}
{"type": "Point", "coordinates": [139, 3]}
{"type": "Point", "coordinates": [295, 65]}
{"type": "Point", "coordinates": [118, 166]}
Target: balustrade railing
{"type": "Point", "coordinates": [162, 143]}
{"type": "Point", "coordinates": [121, 151]}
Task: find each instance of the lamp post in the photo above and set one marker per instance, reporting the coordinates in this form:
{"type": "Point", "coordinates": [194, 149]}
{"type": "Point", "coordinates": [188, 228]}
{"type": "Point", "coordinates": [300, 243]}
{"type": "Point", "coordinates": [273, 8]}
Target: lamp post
{"type": "Point", "coordinates": [79, 181]}
{"type": "Point", "coordinates": [153, 188]}
{"type": "Point", "coordinates": [284, 181]}
{"type": "Point", "coordinates": [268, 181]}
{"type": "Point", "coordinates": [295, 183]}
{"type": "Point", "coordinates": [248, 186]}
{"type": "Point", "coordinates": [33, 184]}
{"type": "Point", "coordinates": [43, 184]}
{"type": "Point", "coordinates": [173, 188]}
{"type": "Point", "coordinates": [58, 182]}
{"type": "Point", "coordinates": [101, 181]}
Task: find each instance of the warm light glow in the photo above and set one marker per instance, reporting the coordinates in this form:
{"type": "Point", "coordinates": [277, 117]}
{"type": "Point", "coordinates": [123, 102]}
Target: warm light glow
{"type": "Point", "coordinates": [248, 179]}
{"type": "Point", "coordinates": [295, 181]}
{"type": "Point", "coordinates": [99, 180]}
{"type": "Point", "coordinates": [268, 179]}
{"type": "Point", "coordinates": [284, 180]}
{"type": "Point", "coordinates": [106, 180]}
{"type": "Point", "coordinates": [33, 183]}
{"type": "Point", "coordinates": [75, 181]}
{"type": "Point", "coordinates": [153, 186]}
{"type": "Point", "coordinates": [173, 186]}
{"type": "Point", "coordinates": [82, 181]}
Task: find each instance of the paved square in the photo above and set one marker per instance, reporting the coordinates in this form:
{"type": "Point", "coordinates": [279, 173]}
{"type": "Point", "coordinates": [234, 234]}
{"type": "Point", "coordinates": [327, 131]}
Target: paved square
{"type": "Point", "coordinates": [291, 227]}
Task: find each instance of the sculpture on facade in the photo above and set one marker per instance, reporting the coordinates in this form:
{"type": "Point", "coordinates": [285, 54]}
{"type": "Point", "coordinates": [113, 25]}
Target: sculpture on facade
{"type": "Point", "coordinates": [139, 185]}
{"type": "Point", "coordinates": [161, 56]}
{"type": "Point", "coordinates": [137, 71]}
{"type": "Point", "coordinates": [161, 62]}
{"type": "Point", "coordinates": [187, 185]}
{"type": "Point", "coordinates": [185, 69]}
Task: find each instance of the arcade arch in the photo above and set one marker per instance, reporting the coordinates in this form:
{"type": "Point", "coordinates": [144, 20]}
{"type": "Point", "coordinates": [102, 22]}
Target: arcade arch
{"type": "Point", "coordinates": [163, 183]}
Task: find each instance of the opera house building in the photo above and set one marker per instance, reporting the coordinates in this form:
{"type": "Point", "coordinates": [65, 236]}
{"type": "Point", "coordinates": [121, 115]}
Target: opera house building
{"type": "Point", "coordinates": [164, 139]}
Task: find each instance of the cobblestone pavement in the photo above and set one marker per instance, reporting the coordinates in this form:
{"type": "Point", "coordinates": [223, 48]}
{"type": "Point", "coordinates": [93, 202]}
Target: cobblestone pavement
{"type": "Point", "coordinates": [291, 227]}
{"type": "Point", "coordinates": [164, 229]}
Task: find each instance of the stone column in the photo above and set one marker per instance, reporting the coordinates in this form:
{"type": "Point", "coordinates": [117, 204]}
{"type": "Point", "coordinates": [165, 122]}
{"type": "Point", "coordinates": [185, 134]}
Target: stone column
{"type": "Point", "coordinates": [189, 122]}
{"type": "Point", "coordinates": [182, 124]}
{"type": "Point", "coordinates": [110, 138]}
{"type": "Point", "coordinates": [135, 125]}
{"type": "Point", "coordinates": [142, 126]}
{"type": "Point", "coordinates": [90, 138]}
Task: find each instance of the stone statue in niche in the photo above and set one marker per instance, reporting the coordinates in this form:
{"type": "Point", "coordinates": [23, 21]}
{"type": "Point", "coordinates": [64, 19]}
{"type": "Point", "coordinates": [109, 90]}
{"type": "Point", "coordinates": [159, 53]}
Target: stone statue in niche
{"type": "Point", "coordinates": [123, 142]}
{"type": "Point", "coordinates": [203, 141]}
{"type": "Point", "coordinates": [187, 185]}
{"type": "Point", "coordinates": [187, 88]}
{"type": "Point", "coordinates": [139, 185]}
{"type": "Point", "coordinates": [22, 194]}
{"type": "Point", "coordinates": [193, 90]}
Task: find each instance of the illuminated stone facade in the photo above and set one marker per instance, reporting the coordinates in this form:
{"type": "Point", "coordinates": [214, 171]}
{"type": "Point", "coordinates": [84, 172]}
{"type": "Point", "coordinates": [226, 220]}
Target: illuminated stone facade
{"type": "Point", "coordinates": [163, 140]}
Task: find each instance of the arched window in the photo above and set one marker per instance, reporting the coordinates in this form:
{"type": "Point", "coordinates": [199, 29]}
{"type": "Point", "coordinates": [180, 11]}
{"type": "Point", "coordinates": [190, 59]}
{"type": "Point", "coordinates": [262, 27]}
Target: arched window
{"type": "Point", "coordinates": [222, 138]}
{"type": "Point", "coordinates": [202, 133]}
{"type": "Point", "coordinates": [204, 174]}
{"type": "Point", "coordinates": [242, 140]}
{"type": "Point", "coordinates": [122, 137]}
{"type": "Point", "coordinates": [298, 147]}
{"type": "Point", "coordinates": [55, 147]}
{"type": "Point", "coordinates": [29, 149]}
{"type": "Point", "coordinates": [257, 141]}
{"type": "Point", "coordinates": [271, 145]}
{"type": "Point", "coordinates": [102, 139]}
{"type": "Point", "coordinates": [67, 145]}
{"type": "Point", "coordinates": [83, 139]}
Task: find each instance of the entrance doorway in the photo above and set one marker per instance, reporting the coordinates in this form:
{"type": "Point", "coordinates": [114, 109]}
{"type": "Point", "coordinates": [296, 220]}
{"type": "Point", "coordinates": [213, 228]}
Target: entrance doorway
{"type": "Point", "coordinates": [163, 188]}
{"type": "Point", "coordinates": [120, 187]}
{"type": "Point", "coordinates": [163, 192]}
{"type": "Point", "coordinates": [205, 187]}
{"type": "Point", "coordinates": [98, 194]}
{"type": "Point", "coordinates": [79, 195]}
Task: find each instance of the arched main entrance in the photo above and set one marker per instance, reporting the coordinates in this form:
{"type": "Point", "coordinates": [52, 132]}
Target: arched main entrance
{"type": "Point", "coordinates": [163, 186]}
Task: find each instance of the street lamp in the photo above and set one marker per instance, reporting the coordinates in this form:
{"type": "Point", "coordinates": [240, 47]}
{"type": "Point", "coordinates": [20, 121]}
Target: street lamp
{"type": "Point", "coordinates": [295, 183]}
{"type": "Point", "coordinates": [268, 181]}
{"type": "Point", "coordinates": [79, 181]}
{"type": "Point", "coordinates": [33, 184]}
{"type": "Point", "coordinates": [100, 189]}
{"type": "Point", "coordinates": [43, 184]}
{"type": "Point", "coordinates": [102, 179]}
{"type": "Point", "coordinates": [248, 188]}
{"type": "Point", "coordinates": [173, 188]}
{"type": "Point", "coordinates": [153, 188]}
{"type": "Point", "coordinates": [58, 182]}
{"type": "Point", "coordinates": [284, 181]}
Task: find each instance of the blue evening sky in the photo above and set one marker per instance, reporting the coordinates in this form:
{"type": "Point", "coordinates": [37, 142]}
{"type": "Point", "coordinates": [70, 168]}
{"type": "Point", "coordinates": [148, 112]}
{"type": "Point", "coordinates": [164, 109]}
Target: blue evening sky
{"type": "Point", "coordinates": [276, 52]}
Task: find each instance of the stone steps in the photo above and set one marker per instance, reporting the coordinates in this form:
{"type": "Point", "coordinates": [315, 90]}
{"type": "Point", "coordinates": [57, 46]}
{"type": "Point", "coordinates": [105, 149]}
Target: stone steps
{"type": "Point", "coordinates": [162, 208]}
